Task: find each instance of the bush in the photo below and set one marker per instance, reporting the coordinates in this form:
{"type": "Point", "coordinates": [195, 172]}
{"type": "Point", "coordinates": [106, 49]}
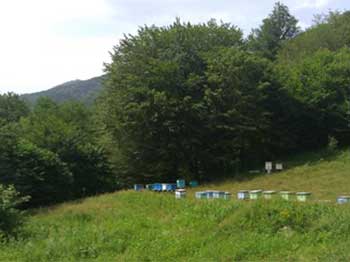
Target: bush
{"type": "Point", "coordinates": [10, 217]}
{"type": "Point", "coordinates": [34, 171]}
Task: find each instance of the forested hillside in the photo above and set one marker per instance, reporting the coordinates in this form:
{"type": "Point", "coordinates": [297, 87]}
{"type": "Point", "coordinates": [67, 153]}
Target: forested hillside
{"type": "Point", "coordinates": [84, 91]}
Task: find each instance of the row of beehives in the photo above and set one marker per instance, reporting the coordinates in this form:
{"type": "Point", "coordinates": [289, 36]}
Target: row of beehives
{"type": "Point", "coordinates": [165, 187]}
{"type": "Point", "coordinates": [208, 194]}
{"type": "Point", "coordinates": [256, 194]}
{"type": "Point", "coordinates": [270, 194]}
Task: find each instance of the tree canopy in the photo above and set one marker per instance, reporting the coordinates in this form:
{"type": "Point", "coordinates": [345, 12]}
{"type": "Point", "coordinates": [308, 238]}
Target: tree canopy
{"type": "Point", "coordinates": [279, 27]}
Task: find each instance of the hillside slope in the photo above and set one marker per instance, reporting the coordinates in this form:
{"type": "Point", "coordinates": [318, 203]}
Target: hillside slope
{"type": "Point", "coordinates": [79, 90]}
{"type": "Point", "coordinates": [146, 226]}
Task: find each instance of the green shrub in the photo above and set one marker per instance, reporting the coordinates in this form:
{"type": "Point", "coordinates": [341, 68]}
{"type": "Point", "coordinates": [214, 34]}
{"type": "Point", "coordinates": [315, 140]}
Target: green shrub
{"type": "Point", "coordinates": [10, 217]}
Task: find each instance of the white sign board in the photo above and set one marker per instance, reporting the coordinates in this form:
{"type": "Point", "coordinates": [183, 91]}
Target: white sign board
{"type": "Point", "coordinates": [279, 166]}
{"type": "Point", "coordinates": [268, 165]}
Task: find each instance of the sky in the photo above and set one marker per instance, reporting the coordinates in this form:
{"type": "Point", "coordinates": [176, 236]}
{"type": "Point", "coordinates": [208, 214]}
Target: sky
{"type": "Point", "coordinates": [47, 42]}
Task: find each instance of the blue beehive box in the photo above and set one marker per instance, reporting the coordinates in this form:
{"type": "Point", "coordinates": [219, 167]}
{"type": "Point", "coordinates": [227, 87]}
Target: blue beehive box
{"type": "Point", "coordinates": [149, 186]}
{"type": "Point", "coordinates": [210, 194]}
{"type": "Point", "coordinates": [138, 187]}
{"type": "Point", "coordinates": [243, 195]}
{"type": "Point", "coordinates": [180, 183]}
{"type": "Point", "coordinates": [170, 187]}
{"type": "Point", "coordinates": [157, 187]}
{"type": "Point", "coordinates": [218, 194]}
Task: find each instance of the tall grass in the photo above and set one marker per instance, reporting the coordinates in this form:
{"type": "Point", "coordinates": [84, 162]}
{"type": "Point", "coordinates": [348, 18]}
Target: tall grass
{"type": "Point", "coordinates": [130, 226]}
{"type": "Point", "coordinates": [146, 226]}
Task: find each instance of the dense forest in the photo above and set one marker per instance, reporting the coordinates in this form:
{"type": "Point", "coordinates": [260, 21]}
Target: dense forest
{"type": "Point", "coordinates": [185, 100]}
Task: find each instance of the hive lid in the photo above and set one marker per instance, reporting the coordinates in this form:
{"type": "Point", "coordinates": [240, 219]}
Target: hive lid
{"type": "Point", "coordinates": [270, 192]}
{"type": "Point", "coordinates": [255, 191]}
{"type": "Point", "coordinates": [243, 191]}
{"type": "Point", "coordinates": [287, 192]}
{"type": "Point", "coordinates": [180, 190]}
{"type": "Point", "coordinates": [303, 193]}
{"type": "Point", "coordinates": [347, 197]}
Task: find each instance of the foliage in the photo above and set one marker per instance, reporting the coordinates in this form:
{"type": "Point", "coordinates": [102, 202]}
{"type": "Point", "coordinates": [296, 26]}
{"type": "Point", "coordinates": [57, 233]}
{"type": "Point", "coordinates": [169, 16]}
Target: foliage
{"type": "Point", "coordinates": [332, 33]}
{"type": "Point", "coordinates": [67, 131]}
{"type": "Point", "coordinates": [322, 82]}
{"type": "Point", "coordinates": [11, 219]}
{"type": "Point", "coordinates": [164, 119]}
{"type": "Point", "coordinates": [52, 154]}
{"type": "Point", "coordinates": [34, 171]}
{"type": "Point", "coordinates": [12, 108]}
{"type": "Point", "coordinates": [279, 27]}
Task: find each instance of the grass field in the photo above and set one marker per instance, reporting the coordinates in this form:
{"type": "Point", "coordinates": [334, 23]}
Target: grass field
{"type": "Point", "coordinates": [146, 226]}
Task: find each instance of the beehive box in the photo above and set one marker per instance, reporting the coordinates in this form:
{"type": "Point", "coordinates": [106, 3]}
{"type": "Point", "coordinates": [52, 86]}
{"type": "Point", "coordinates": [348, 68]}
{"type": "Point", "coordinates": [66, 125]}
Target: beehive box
{"type": "Point", "coordinates": [149, 186]}
{"type": "Point", "coordinates": [243, 195]}
{"type": "Point", "coordinates": [218, 194]}
{"type": "Point", "coordinates": [227, 195]}
{"type": "Point", "coordinates": [269, 194]}
{"type": "Point", "coordinates": [180, 193]}
{"type": "Point", "coordinates": [303, 196]}
{"type": "Point", "coordinates": [180, 183]}
{"type": "Point", "coordinates": [287, 195]}
{"type": "Point", "coordinates": [170, 187]}
{"type": "Point", "coordinates": [193, 183]}
{"type": "Point", "coordinates": [157, 187]}
{"type": "Point", "coordinates": [209, 194]}
{"type": "Point", "coordinates": [164, 187]}
{"type": "Point", "coordinates": [138, 187]}
{"type": "Point", "coordinates": [255, 194]}
{"type": "Point", "coordinates": [343, 199]}
{"type": "Point", "coordinates": [201, 195]}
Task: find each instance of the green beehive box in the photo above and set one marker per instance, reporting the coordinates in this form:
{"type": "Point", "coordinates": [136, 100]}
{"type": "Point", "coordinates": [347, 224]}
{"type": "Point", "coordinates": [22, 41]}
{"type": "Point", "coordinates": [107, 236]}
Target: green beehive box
{"type": "Point", "coordinates": [287, 195]}
{"type": "Point", "coordinates": [303, 196]}
{"type": "Point", "coordinates": [269, 194]}
{"type": "Point", "coordinates": [193, 183]}
{"type": "Point", "coordinates": [227, 195]}
{"type": "Point", "coordinates": [255, 194]}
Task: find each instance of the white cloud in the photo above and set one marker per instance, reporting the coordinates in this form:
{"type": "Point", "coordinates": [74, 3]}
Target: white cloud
{"type": "Point", "coordinates": [300, 4]}
{"type": "Point", "coordinates": [33, 57]}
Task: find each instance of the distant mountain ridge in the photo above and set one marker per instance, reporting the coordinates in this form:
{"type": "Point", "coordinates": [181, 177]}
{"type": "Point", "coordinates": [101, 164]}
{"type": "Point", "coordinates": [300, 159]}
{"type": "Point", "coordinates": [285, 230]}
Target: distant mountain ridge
{"type": "Point", "coordinates": [77, 90]}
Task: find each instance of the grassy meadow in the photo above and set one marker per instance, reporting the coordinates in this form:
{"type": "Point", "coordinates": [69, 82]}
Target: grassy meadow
{"type": "Point", "coordinates": [147, 226]}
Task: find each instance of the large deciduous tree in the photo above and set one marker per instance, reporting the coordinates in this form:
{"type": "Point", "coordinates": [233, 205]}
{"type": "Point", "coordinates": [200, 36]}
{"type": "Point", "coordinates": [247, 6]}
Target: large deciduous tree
{"type": "Point", "coordinates": [183, 101]}
{"type": "Point", "coordinates": [278, 27]}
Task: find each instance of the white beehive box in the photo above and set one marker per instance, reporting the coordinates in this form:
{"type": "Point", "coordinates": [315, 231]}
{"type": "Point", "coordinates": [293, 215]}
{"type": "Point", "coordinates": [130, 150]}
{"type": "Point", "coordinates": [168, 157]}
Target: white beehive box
{"type": "Point", "coordinates": [180, 193]}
